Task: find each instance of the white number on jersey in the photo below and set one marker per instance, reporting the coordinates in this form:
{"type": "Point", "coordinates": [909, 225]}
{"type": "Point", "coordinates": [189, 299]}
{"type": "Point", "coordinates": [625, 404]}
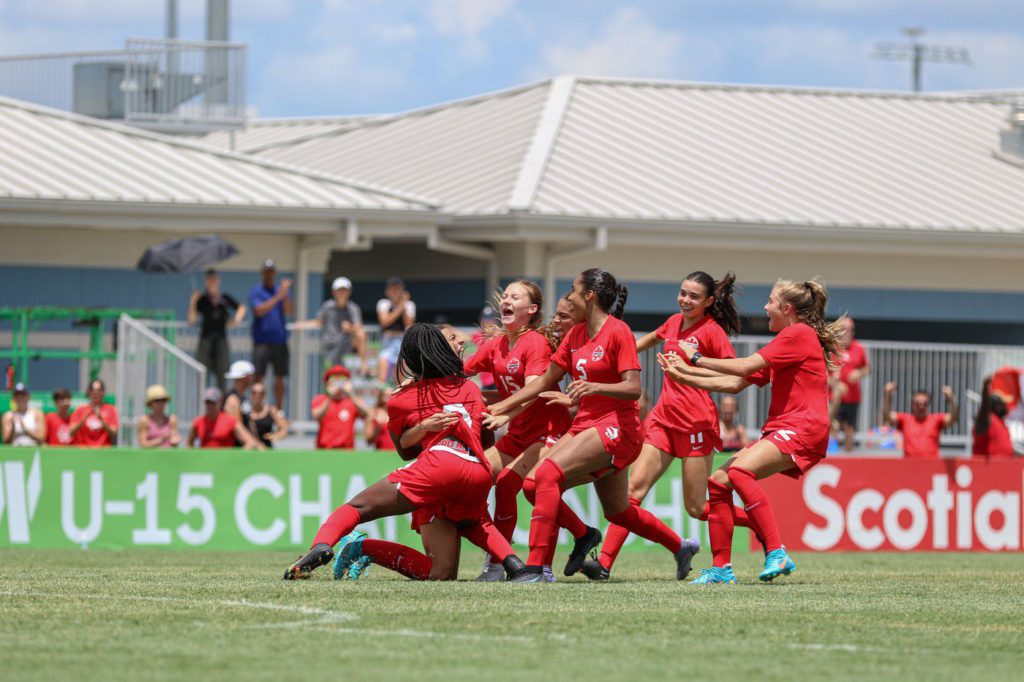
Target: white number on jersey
{"type": "Point", "coordinates": [510, 386]}
{"type": "Point", "coordinates": [581, 369]}
{"type": "Point", "coordinates": [460, 409]}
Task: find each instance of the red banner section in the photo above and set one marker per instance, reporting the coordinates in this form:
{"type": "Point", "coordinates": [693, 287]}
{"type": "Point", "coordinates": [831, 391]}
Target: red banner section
{"type": "Point", "coordinates": [895, 504]}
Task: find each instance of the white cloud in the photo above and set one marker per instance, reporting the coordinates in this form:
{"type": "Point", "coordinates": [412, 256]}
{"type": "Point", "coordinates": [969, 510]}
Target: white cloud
{"type": "Point", "coordinates": [466, 18]}
{"type": "Point", "coordinates": [628, 44]}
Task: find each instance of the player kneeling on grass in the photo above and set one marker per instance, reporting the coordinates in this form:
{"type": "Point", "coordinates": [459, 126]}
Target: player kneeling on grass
{"type": "Point", "coordinates": [434, 419]}
{"type": "Point", "coordinates": [795, 436]}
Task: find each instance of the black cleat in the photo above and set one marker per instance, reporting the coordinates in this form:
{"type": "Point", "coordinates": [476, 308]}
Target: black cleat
{"type": "Point", "coordinates": [513, 566]}
{"type": "Point", "coordinates": [316, 557]}
{"type": "Point", "coordinates": [594, 570]}
{"type": "Point", "coordinates": [684, 557]}
{"type": "Point", "coordinates": [583, 545]}
{"type": "Point", "coordinates": [527, 574]}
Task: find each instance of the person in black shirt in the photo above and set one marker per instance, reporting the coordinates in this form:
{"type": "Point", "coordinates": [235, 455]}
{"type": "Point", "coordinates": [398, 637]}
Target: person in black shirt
{"type": "Point", "coordinates": [215, 308]}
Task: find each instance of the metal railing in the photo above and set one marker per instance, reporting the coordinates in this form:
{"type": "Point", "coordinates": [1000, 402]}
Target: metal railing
{"type": "Point", "coordinates": [144, 358]}
{"type": "Point", "coordinates": [163, 84]}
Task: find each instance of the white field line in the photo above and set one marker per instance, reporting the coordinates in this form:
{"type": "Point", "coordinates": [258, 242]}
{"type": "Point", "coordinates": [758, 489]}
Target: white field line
{"type": "Point", "coordinates": [854, 649]}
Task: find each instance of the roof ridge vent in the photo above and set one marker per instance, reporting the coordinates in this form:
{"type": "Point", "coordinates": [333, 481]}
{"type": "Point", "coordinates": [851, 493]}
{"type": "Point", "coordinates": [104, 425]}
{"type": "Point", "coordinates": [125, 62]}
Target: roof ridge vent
{"type": "Point", "coordinates": [1011, 140]}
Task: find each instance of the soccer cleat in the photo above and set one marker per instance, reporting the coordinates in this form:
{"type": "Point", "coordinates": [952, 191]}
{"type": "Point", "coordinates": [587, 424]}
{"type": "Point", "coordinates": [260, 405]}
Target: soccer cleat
{"type": "Point", "coordinates": [528, 574]}
{"type": "Point", "coordinates": [358, 568]}
{"type": "Point", "coordinates": [594, 570]}
{"type": "Point", "coordinates": [316, 557]}
{"type": "Point", "coordinates": [775, 564]}
{"type": "Point", "coordinates": [582, 546]}
{"type": "Point", "coordinates": [684, 557]}
{"type": "Point", "coordinates": [492, 573]}
{"type": "Point", "coordinates": [715, 576]}
{"type": "Point", "coordinates": [547, 575]}
{"type": "Point", "coordinates": [350, 550]}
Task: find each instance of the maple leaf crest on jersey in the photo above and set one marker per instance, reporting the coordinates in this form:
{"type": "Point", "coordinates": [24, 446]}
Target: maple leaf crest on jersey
{"type": "Point", "coordinates": [598, 353]}
{"type": "Point", "coordinates": [692, 342]}
{"type": "Point", "coordinates": [512, 366]}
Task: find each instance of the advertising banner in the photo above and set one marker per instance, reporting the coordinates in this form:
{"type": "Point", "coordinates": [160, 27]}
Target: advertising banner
{"type": "Point", "coordinates": [227, 499]}
{"type": "Point", "coordinates": [905, 505]}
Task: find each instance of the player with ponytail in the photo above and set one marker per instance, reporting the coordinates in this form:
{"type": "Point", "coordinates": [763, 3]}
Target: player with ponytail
{"type": "Point", "coordinates": [794, 437]}
{"type": "Point", "coordinates": [434, 418]}
{"type": "Point", "coordinates": [684, 423]}
{"type": "Point", "coordinates": [600, 355]}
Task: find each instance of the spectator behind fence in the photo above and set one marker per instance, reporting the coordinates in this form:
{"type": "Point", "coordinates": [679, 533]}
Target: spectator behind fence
{"type": "Point", "coordinates": [733, 434]}
{"type": "Point", "coordinates": [24, 426]}
{"type": "Point", "coordinates": [920, 428]}
{"type": "Point", "coordinates": [237, 401]}
{"type": "Point", "coordinates": [377, 423]}
{"type": "Point", "coordinates": [266, 422]}
{"type": "Point", "coordinates": [158, 429]}
{"type": "Point", "coordinates": [215, 310]}
{"type": "Point", "coordinates": [991, 438]}
{"type": "Point", "coordinates": [336, 410]}
{"type": "Point", "coordinates": [58, 424]}
{"type": "Point", "coordinates": [94, 425]}
{"type": "Point", "coordinates": [395, 313]}
{"type": "Point", "coordinates": [271, 306]}
{"type": "Point", "coordinates": [341, 323]}
{"type": "Point", "coordinates": [218, 429]}
{"type": "Point", "coordinates": [853, 369]}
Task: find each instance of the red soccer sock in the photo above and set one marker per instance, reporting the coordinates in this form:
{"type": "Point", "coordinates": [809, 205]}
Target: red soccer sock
{"type": "Point", "coordinates": [506, 490]}
{"type": "Point", "coordinates": [638, 520]}
{"type": "Point", "coordinates": [340, 523]}
{"type": "Point", "coordinates": [399, 558]}
{"type": "Point", "coordinates": [614, 538]}
{"type": "Point", "coordinates": [739, 516]}
{"type": "Point", "coordinates": [544, 524]}
{"type": "Point", "coordinates": [567, 518]}
{"type": "Point", "coordinates": [488, 538]}
{"type": "Point", "coordinates": [757, 506]}
{"type": "Point", "coordinates": [720, 523]}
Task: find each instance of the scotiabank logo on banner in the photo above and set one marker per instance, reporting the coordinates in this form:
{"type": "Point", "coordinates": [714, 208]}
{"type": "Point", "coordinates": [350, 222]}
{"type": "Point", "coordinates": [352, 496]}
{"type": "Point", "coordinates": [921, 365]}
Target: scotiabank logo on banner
{"type": "Point", "coordinates": [861, 504]}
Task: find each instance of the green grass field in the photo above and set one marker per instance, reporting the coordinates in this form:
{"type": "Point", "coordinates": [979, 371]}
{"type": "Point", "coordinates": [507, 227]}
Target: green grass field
{"type": "Point", "coordinates": [176, 615]}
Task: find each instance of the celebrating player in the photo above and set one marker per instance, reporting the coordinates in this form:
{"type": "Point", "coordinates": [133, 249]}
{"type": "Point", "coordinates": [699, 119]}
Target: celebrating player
{"type": "Point", "coordinates": [433, 417]}
{"type": "Point", "coordinates": [795, 436]}
{"type": "Point", "coordinates": [684, 423]}
{"type": "Point", "coordinates": [516, 355]}
{"type": "Point", "coordinates": [600, 355]}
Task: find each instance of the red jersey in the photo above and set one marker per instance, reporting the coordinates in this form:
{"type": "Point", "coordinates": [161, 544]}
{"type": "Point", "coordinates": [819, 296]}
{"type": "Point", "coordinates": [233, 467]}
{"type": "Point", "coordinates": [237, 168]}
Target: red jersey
{"type": "Point", "coordinates": [216, 433]}
{"type": "Point", "coordinates": [421, 399]}
{"type": "Point", "coordinates": [92, 434]}
{"type": "Point", "coordinates": [921, 437]}
{"type": "Point", "coordinates": [852, 358]}
{"type": "Point", "coordinates": [530, 356]}
{"type": "Point", "coordinates": [58, 431]}
{"type": "Point", "coordinates": [338, 423]}
{"type": "Point", "coordinates": [799, 379]}
{"type": "Point", "coordinates": [994, 443]}
{"type": "Point", "coordinates": [681, 407]}
{"type": "Point", "coordinates": [601, 360]}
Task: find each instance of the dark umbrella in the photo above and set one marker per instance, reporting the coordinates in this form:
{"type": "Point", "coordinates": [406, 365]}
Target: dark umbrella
{"type": "Point", "coordinates": [187, 254]}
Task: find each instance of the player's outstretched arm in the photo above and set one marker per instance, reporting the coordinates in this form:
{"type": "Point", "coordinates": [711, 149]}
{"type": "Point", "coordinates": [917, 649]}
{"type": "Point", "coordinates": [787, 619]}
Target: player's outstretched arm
{"type": "Point", "coordinates": [547, 381]}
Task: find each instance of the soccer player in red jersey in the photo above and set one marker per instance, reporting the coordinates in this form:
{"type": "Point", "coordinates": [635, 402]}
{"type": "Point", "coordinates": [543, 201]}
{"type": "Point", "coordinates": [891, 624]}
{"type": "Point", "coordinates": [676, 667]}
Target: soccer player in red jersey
{"type": "Point", "coordinates": [336, 411]}
{"type": "Point", "coordinates": [684, 423]}
{"type": "Point", "coordinates": [795, 436]}
{"type": "Point", "coordinates": [605, 438]}
{"type": "Point", "coordinates": [920, 427]}
{"type": "Point", "coordinates": [854, 368]}
{"type": "Point", "coordinates": [515, 355]}
{"type": "Point", "coordinates": [434, 418]}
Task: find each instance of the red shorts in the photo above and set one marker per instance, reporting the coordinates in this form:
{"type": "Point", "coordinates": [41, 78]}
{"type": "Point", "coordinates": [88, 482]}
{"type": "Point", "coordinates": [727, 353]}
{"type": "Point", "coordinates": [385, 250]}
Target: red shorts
{"type": "Point", "coordinates": [444, 485]}
{"type": "Point", "coordinates": [515, 444]}
{"type": "Point", "coordinates": [679, 444]}
{"type": "Point", "coordinates": [623, 444]}
{"type": "Point", "coordinates": [803, 455]}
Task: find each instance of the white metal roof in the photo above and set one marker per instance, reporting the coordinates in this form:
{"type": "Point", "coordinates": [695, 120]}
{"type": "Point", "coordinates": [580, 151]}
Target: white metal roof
{"type": "Point", "coordinates": [626, 149]}
{"type": "Point", "coordinates": [46, 154]}
{"type": "Point", "coordinates": [269, 132]}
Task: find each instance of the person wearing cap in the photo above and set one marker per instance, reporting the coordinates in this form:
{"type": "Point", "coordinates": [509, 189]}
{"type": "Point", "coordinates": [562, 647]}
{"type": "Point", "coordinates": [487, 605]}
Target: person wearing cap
{"type": "Point", "coordinates": [94, 425]}
{"type": "Point", "coordinates": [214, 309]}
{"type": "Point", "coordinates": [24, 425]}
{"type": "Point", "coordinates": [341, 322]}
{"type": "Point", "coordinates": [58, 424]}
{"type": "Point", "coordinates": [395, 313]}
{"type": "Point", "coordinates": [336, 409]}
{"type": "Point", "coordinates": [218, 429]}
{"type": "Point", "coordinates": [158, 429]}
{"type": "Point", "coordinates": [236, 403]}
{"type": "Point", "coordinates": [271, 306]}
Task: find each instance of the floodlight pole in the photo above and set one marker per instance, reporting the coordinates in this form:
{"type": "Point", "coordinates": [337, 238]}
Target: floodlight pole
{"type": "Point", "coordinates": [917, 53]}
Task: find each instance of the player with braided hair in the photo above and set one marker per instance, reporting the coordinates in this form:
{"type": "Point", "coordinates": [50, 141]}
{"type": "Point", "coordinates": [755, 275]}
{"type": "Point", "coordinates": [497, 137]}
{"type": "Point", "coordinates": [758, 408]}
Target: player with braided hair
{"type": "Point", "coordinates": [600, 355]}
{"type": "Point", "coordinates": [434, 418]}
{"type": "Point", "coordinates": [795, 435]}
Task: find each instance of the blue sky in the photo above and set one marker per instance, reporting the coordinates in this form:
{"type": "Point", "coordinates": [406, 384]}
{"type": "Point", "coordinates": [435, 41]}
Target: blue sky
{"type": "Point", "coordinates": [323, 57]}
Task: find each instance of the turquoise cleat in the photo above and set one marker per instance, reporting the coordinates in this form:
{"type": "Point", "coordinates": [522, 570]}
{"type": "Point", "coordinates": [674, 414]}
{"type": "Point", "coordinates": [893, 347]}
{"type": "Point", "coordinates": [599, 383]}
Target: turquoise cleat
{"type": "Point", "coordinates": [350, 551]}
{"type": "Point", "coordinates": [775, 564]}
{"type": "Point", "coordinates": [715, 576]}
{"type": "Point", "coordinates": [359, 568]}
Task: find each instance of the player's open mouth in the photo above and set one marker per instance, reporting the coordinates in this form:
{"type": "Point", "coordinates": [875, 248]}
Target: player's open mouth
{"type": "Point", "coordinates": [507, 313]}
